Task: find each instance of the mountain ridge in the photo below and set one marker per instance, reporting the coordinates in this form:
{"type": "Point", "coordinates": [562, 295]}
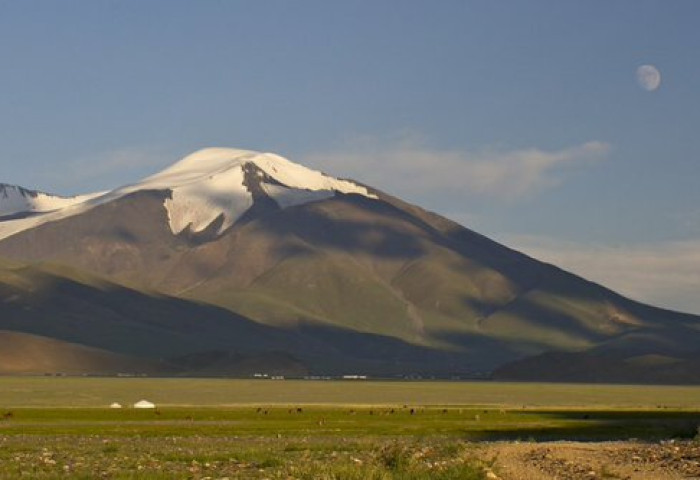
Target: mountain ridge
{"type": "Point", "coordinates": [203, 185]}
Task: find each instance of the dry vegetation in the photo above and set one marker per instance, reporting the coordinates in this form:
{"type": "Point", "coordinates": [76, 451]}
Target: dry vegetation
{"type": "Point", "coordinates": [98, 456]}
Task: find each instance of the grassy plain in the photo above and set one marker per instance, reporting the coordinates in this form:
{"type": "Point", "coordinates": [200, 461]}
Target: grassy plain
{"type": "Point", "coordinates": [206, 428]}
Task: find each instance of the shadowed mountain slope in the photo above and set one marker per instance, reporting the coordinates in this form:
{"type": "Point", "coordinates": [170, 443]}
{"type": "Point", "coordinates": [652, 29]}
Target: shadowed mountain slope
{"type": "Point", "coordinates": [77, 317]}
{"type": "Point", "coordinates": [605, 367]}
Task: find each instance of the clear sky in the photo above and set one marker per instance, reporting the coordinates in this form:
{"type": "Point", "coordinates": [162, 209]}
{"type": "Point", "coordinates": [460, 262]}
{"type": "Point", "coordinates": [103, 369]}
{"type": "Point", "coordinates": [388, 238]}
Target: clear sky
{"type": "Point", "coordinates": [522, 120]}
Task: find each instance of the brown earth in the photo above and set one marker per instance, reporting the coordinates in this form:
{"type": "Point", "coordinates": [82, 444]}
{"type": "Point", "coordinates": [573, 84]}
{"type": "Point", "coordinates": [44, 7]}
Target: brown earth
{"type": "Point", "coordinates": [22, 353]}
{"type": "Point", "coordinates": [627, 460]}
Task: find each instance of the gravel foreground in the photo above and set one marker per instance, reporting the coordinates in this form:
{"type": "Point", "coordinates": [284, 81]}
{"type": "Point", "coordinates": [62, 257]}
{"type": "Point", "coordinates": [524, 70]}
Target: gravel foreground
{"type": "Point", "coordinates": [197, 457]}
{"type": "Point", "coordinates": [667, 460]}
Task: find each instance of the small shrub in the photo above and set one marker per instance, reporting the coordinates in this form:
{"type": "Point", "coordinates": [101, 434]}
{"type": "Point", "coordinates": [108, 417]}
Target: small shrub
{"type": "Point", "coordinates": [396, 457]}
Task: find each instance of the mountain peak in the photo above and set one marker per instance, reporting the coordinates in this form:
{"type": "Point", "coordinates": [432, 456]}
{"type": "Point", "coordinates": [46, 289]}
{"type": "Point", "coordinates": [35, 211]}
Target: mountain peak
{"type": "Point", "coordinates": [211, 183]}
{"type": "Point", "coordinates": [210, 162]}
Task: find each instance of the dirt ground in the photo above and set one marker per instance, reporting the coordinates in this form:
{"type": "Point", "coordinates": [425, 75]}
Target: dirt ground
{"type": "Point", "coordinates": [668, 460]}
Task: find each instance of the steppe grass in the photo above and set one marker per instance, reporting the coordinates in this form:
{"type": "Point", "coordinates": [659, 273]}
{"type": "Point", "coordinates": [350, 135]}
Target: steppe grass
{"type": "Point", "coordinates": [265, 429]}
{"type": "Point", "coordinates": [466, 423]}
{"type": "Point", "coordinates": [341, 442]}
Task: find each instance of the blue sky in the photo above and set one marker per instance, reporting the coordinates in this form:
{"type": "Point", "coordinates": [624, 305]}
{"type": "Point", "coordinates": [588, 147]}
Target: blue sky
{"type": "Point", "coordinates": [521, 120]}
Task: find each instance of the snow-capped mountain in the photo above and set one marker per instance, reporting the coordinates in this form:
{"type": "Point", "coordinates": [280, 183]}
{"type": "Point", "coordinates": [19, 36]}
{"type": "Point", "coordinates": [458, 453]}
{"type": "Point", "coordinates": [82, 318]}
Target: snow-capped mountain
{"type": "Point", "coordinates": [207, 185]}
{"type": "Point", "coordinates": [342, 277]}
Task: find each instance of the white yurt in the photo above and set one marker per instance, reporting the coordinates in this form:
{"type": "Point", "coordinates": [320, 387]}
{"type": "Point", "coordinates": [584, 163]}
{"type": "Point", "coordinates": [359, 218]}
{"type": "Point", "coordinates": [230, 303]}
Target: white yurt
{"type": "Point", "coordinates": [144, 404]}
{"type": "Point", "coordinates": [116, 405]}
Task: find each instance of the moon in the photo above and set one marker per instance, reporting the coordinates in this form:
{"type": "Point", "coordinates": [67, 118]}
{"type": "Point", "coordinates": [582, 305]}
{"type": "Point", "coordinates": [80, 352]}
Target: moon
{"type": "Point", "coordinates": [648, 77]}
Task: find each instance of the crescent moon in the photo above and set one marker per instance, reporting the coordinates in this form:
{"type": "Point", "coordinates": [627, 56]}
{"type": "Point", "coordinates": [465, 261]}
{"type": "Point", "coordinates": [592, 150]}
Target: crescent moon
{"type": "Point", "coordinates": [648, 77]}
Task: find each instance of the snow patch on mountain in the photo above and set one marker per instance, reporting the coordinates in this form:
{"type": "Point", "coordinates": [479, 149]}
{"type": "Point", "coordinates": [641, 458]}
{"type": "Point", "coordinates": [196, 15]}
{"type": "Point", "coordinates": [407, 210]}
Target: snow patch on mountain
{"type": "Point", "coordinates": [211, 161]}
{"type": "Point", "coordinates": [198, 204]}
{"type": "Point", "coordinates": [298, 176]}
{"type": "Point", "coordinates": [203, 186]}
{"type": "Point", "coordinates": [14, 200]}
{"type": "Point", "coordinates": [290, 197]}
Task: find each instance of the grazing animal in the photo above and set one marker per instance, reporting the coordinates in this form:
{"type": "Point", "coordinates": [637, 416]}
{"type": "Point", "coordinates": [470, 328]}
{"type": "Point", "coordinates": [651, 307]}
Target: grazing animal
{"type": "Point", "coordinates": [300, 410]}
{"type": "Point", "coordinates": [8, 416]}
{"type": "Point", "coordinates": [413, 411]}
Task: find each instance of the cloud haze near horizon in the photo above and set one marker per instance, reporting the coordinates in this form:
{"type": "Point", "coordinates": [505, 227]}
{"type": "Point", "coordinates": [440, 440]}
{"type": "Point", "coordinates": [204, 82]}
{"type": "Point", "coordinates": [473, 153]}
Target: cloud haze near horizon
{"type": "Point", "coordinates": [406, 165]}
{"type": "Point", "coordinates": [663, 274]}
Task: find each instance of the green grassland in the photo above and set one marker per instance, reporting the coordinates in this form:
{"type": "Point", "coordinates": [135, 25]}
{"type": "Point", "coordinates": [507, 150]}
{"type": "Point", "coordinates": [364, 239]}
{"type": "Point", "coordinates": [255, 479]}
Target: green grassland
{"type": "Point", "coordinates": [216, 428]}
